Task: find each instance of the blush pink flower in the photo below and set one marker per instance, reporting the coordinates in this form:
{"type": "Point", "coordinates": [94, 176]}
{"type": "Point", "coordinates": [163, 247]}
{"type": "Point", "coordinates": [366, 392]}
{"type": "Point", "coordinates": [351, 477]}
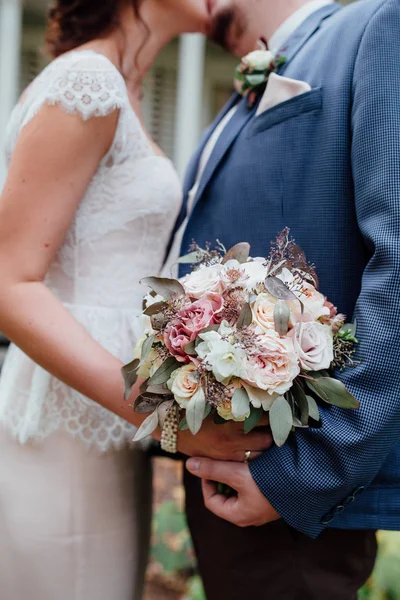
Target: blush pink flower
{"type": "Point", "coordinates": [189, 322]}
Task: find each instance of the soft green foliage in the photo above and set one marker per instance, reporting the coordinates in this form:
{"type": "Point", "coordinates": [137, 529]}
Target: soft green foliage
{"type": "Point", "coordinates": [385, 582]}
{"type": "Point", "coordinates": [172, 546]}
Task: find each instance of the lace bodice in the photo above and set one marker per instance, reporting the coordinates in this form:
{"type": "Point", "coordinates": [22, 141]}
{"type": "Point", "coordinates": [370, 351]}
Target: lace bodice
{"type": "Point", "coordinates": [119, 235]}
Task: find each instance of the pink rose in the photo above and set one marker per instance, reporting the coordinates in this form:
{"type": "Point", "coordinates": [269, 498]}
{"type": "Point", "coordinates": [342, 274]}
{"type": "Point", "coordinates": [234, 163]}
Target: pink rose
{"type": "Point", "coordinates": [189, 322]}
{"type": "Point", "coordinates": [313, 343]}
{"type": "Point", "coordinates": [273, 364]}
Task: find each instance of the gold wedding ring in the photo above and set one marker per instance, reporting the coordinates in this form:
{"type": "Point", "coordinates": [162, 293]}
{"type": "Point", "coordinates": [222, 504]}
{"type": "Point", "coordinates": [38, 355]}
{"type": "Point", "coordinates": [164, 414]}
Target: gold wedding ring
{"type": "Point", "coordinates": [247, 455]}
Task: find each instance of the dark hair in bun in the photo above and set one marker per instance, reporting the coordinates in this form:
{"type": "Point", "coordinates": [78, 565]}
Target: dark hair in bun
{"type": "Point", "coordinates": [72, 23]}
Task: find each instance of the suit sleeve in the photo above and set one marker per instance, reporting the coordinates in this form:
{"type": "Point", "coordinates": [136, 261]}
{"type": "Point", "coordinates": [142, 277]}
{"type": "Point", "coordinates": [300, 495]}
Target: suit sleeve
{"type": "Point", "coordinates": [314, 476]}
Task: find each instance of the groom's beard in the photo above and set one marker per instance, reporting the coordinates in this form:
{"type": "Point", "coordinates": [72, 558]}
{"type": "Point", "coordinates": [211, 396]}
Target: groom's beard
{"type": "Point", "coordinates": [228, 27]}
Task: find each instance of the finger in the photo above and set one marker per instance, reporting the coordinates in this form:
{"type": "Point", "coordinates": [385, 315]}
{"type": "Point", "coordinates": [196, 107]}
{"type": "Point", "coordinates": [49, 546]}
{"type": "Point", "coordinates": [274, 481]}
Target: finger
{"type": "Point", "coordinates": [241, 457]}
{"type": "Point", "coordinates": [230, 473]}
{"type": "Point", "coordinates": [222, 506]}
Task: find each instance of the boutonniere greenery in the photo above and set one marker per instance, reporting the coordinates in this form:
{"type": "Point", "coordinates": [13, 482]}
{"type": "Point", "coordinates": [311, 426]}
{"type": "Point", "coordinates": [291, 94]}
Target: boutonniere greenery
{"type": "Point", "coordinates": [253, 71]}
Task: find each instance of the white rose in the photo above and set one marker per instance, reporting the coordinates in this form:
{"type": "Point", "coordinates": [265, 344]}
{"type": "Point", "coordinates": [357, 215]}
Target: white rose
{"type": "Point", "coordinates": [247, 275]}
{"type": "Point", "coordinates": [259, 60]}
{"type": "Point", "coordinates": [203, 281]}
{"type": "Point", "coordinates": [263, 311]}
{"type": "Point", "coordinates": [221, 357]}
{"type": "Point", "coordinates": [184, 384]}
{"type": "Point", "coordinates": [313, 343]}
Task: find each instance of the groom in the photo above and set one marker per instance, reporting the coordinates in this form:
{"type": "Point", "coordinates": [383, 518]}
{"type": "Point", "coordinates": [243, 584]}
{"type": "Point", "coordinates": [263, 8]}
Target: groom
{"type": "Point", "coordinates": [326, 163]}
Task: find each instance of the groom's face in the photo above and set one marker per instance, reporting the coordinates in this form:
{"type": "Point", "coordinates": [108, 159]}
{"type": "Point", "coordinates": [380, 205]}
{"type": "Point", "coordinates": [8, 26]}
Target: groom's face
{"type": "Point", "coordinates": [235, 24]}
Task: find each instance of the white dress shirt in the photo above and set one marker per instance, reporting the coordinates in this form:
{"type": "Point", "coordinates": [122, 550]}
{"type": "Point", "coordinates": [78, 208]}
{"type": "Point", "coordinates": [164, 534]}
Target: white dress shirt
{"type": "Point", "coordinates": [275, 43]}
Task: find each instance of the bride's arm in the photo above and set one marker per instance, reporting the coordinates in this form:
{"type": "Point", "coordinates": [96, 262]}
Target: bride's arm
{"type": "Point", "coordinates": [53, 163]}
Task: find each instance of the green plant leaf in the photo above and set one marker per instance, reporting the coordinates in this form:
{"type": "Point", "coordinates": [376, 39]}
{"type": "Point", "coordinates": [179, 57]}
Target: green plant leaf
{"type": "Point", "coordinates": [129, 374]}
{"type": "Point", "coordinates": [190, 349]}
{"type": "Point", "coordinates": [245, 318]}
{"type": "Point", "coordinates": [239, 252]}
{"type": "Point", "coordinates": [207, 411]}
{"type": "Point", "coordinates": [167, 288]}
{"type": "Point", "coordinates": [146, 403]}
{"type": "Point", "coordinates": [281, 317]}
{"type": "Point", "coordinates": [255, 80]}
{"type": "Point", "coordinates": [218, 420]}
{"type": "Point", "coordinates": [301, 400]}
{"type": "Point", "coordinates": [332, 391]}
{"type": "Point", "coordinates": [146, 349]}
{"type": "Point", "coordinates": [195, 413]}
{"type": "Point", "coordinates": [313, 408]}
{"type": "Point", "coordinates": [183, 425]}
{"type": "Point", "coordinates": [278, 289]}
{"type": "Point", "coordinates": [253, 419]}
{"type": "Point", "coordinates": [162, 409]}
{"type": "Point", "coordinates": [155, 309]}
{"type": "Point", "coordinates": [189, 259]}
{"type": "Point", "coordinates": [281, 420]}
{"type": "Point", "coordinates": [147, 427]}
{"type": "Point", "coordinates": [164, 372]}
{"type": "Point", "coordinates": [240, 403]}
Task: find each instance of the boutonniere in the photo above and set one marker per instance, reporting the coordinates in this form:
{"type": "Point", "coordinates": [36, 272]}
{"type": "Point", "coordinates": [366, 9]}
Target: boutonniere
{"type": "Point", "coordinates": [253, 71]}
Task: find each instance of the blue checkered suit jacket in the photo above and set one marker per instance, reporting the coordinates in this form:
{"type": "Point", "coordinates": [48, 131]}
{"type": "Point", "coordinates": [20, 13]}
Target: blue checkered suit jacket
{"type": "Point", "coordinates": [327, 164]}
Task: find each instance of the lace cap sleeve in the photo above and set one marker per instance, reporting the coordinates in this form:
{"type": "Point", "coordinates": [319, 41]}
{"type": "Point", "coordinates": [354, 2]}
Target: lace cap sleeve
{"type": "Point", "coordinates": [84, 83]}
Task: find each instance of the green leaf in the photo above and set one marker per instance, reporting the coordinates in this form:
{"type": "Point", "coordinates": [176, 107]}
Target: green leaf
{"type": "Point", "coordinates": [332, 391]}
{"type": "Point", "coordinates": [195, 413]}
{"type": "Point", "coordinates": [281, 420]}
{"type": "Point", "coordinates": [253, 419]}
{"type": "Point", "coordinates": [147, 427]}
{"type": "Point", "coordinates": [163, 408]}
{"type": "Point", "coordinates": [189, 259]}
{"type": "Point", "coordinates": [129, 374]}
{"type": "Point", "coordinates": [145, 404]}
{"type": "Point", "coordinates": [146, 349]}
{"type": "Point", "coordinates": [159, 390]}
{"type": "Point", "coordinates": [164, 372]}
{"type": "Point", "coordinates": [240, 252]}
{"type": "Point", "coordinates": [190, 349]}
{"type": "Point", "coordinates": [278, 289]}
{"type": "Point", "coordinates": [183, 425]}
{"type": "Point", "coordinates": [207, 411]}
{"type": "Point", "coordinates": [281, 317]}
{"type": "Point", "coordinates": [313, 408]}
{"type": "Point", "coordinates": [167, 288]}
{"type": "Point", "coordinates": [218, 420]}
{"type": "Point", "coordinates": [301, 400]}
{"type": "Point", "coordinates": [255, 80]}
{"type": "Point", "coordinates": [240, 403]}
{"type": "Point", "coordinates": [155, 309]}
{"type": "Point", "coordinates": [245, 318]}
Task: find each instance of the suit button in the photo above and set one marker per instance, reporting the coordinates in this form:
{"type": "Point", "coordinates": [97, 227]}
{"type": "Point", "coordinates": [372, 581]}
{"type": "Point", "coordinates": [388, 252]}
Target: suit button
{"type": "Point", "coordinates": [328, 518]}
{"type": "Point", "coordinates": [359, 490]}
{"type": "Point", "coordinates": [339, 509]}
{"type": "Point", "coordinates": [349, 500]}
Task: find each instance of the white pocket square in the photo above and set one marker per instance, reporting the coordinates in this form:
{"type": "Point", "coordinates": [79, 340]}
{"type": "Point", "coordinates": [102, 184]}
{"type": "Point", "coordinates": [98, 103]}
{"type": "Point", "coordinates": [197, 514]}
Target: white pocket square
{"type": "Point", "coordinates": [279, 89]}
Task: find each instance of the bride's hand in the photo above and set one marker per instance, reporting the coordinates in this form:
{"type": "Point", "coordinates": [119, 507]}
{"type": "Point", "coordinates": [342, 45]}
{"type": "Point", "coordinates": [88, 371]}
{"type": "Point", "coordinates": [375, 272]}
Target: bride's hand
{"type": "Point", "coordinates": [224, 442]}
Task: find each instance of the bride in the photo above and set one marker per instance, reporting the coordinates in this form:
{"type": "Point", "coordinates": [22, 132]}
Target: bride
{"type": "Point", "coordinates": [86, 212]}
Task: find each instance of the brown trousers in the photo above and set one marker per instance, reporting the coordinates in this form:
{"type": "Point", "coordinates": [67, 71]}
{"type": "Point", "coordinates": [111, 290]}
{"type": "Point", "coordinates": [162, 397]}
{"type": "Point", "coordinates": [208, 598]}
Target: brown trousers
{"type": "Point", "coordinates": [275, 562]}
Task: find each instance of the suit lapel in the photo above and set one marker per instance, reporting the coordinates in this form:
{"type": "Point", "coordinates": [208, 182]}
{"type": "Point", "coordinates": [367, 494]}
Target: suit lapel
{"type": "Point", "coordinates": [243, 115]}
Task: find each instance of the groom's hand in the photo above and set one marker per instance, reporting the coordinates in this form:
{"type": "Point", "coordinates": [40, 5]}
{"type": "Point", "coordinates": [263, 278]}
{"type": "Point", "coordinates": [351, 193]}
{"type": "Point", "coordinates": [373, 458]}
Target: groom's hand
{"type": "Point", "coordinates": [248, 508]}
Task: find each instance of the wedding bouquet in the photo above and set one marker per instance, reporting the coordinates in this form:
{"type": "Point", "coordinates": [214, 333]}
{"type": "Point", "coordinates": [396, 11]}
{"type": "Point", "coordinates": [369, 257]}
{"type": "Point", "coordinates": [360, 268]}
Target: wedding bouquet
{"type": "Point", "coordinates": [237, 338]}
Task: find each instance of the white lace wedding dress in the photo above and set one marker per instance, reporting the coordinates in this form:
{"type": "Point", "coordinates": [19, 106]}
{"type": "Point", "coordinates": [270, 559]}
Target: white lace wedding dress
{"type": "Point", "coordinates": [74, 497]}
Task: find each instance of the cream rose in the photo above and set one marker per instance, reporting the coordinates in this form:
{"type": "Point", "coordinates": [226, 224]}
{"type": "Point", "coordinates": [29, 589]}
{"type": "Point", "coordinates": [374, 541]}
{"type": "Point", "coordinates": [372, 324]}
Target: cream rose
{"type": "Point", "coordinates": [313, 343]}
{"type": "Point", "coordinates": [221, 357]}
{"type": "Point", "coordinates": [247, 275]}
{"type": "Point", "coordinates": [204, 280]}
{"type": "Point", "coordinates": [314, 304]}
{"type": "Point", "coordinates": [263, 312]}
{"type": "Point", "coordinates": [184, 384]}
{"type": "Point", "coordinates": [150, 366]}
{"type": "Point", "coordinates": [259, 60]}
{"type": "Point", "coordinates": [273, 364]}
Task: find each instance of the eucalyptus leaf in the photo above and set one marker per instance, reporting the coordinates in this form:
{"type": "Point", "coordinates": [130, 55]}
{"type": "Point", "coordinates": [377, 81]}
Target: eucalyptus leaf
{"type": "Point", "coordinates": [162, 409]}
{"type": "Point", "coordinates": [253, 419]}
{"type": "Point", "coordinates": [278, 289]}
{"type": "Point", "coordinates": [301, 400]}
{"type": "Point", "coordinates": [298, 424]}
{"type": "Point", "coordinates": [207, 411]}
{"type": "Point", "coordinates": [332, 391]}
{"type": "Point", "coordinates": [240, 252]}
{"type": "Point", "coordinates": [157, 321]}
{"type": "Point", "coordinates": [245, 318]}
{"type": "Point", "coordinates": [313, 408]}
{"type": "Point", "coordinates": [154, 309]}
{"type": "Point", "coordinates": [195, 413]}
{"type": "Point", "coordinates": [146, 349]}
{"type": "Point", "coordinates": [164, 372]}
{"type": "Point", "coordinates": [183, 425]}
{"type": "Point", "coordinates": [167, 288]}
{"type": "Point", "coordinates": [240, 403]}
{"type": "Point", "coordinates": [143, 386]}
{"type": "Point", "coordinates": [160, 390]}
{"type": "Point", "coordinates": [146, 403]}
{"type": "Point", "coordinates": [218, 420]}
{"type": "Point", "coordinates": [281, 317]}
{"type": "Point", "coordinates": [129, 374]}
{"type": "Point", "coordinates": [147, 427]}
{"type": "Point", "coordinates": [189, 259]}
{"type": "Point", "coordinates": [281, 420]}
{"type": "Point", "coordinates": [190, 349]}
